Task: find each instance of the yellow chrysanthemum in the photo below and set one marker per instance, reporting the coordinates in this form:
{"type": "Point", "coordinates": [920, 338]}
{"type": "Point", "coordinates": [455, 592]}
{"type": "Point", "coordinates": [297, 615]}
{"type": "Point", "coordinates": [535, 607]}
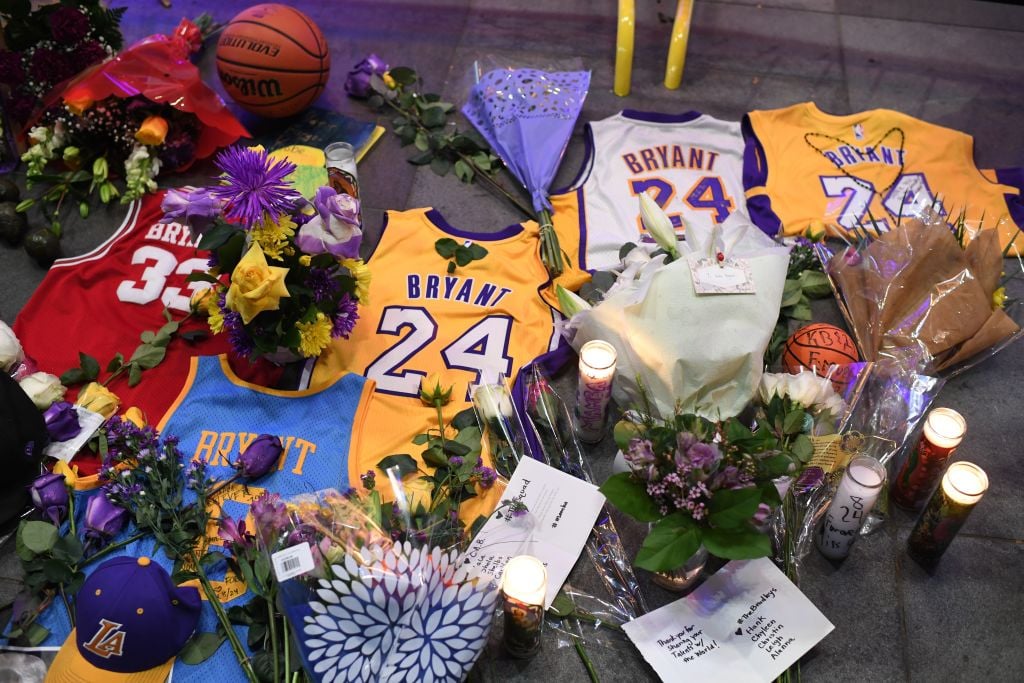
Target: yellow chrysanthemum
{"type": "Point", "coordinates": [273, 234]}
{"type": "Point", "coordinates": [361, 272]}
{"type": "Point", "coordinates": [998, 298]}
{"type": "Point", "coordinates": [216, 322]}
{"type": "Point", "coordinates": [305, 259]}
{"type": "Point", "coordinates": [314, 336]}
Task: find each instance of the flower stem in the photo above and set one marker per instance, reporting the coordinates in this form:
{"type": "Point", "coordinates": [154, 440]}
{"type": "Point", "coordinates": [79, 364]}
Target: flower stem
{"type": "Point", "coordinates": [110, 548]}
{"type": "Point", "coordinates": [222, 617]}
{"type": "Point", "coordinates": [287, 640]}
{"type": "Point", "coordinates": [440, 422]}
{"type": "Point", "coordinates": [577, 643]}
{"type": "Point", "coordinates": [550, 249]}
{"type": "Point", "coordinates": [71, 513]}
{"type": "Point", "coordinates": [273, 638]}
{"type": "Point", "coordinates": [67, 605]}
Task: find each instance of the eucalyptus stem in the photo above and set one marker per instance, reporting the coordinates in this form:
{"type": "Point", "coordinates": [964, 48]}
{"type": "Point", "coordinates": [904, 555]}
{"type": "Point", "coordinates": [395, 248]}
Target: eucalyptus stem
{"type": "Point", "coordinates": [222, 617]}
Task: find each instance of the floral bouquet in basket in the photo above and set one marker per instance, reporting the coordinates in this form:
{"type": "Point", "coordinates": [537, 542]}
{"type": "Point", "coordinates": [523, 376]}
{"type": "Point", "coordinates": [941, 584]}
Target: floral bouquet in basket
{"type": "Point", "coordinates": [286, 275]}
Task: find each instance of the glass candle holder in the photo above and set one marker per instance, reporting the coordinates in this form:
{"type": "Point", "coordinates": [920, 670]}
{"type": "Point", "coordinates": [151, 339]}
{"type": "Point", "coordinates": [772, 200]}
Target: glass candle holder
{"type": "Point", "coordinates": [858, 490]}
{"type": "Point", "coordinates": [341, 168]}
{"type": "Point", "coordinates": [943, 431]}
{"type": "Point", "coordinates": [962, 487]}
{"type": "Point", "coordinates": [597, 368]}
{"type": "Point", "coordinates": [524, 585]}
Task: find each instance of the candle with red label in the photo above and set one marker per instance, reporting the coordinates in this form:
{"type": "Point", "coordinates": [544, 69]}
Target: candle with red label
{"type": "Point", "coordinates": [962, 487]}
{"type": "Point", "coordinates": [597, 368]}
{"type": "Point", "coordinates": [943, 431]}
{"type": "Point", "coordinates": [856, 495]}
{"type": "Point", "coordinates": [524, 585]}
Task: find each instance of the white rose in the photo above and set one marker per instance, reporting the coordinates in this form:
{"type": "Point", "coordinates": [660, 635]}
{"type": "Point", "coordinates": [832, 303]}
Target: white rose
{"type": "Point", "coordinates": [492, 400]}
{"type": "Point", "coordinates": [770, 385]}
{"type": "Point", "coordinates": [43, 388]}
{"type": "Point", "coordinates": [10, 348]}
{"type": "Point", "coordinates": [805, 389]}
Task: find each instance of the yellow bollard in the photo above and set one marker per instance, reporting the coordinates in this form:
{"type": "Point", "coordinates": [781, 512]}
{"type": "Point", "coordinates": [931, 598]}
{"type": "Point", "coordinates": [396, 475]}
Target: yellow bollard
{"type": "Point", "coordinates": [624, 47]}
{"type": "Point", "coordinates": [677, 48]}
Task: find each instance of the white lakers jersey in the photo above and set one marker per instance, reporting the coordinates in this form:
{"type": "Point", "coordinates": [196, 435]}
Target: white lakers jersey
{"type": "Point", "coordinates": [691, 164]}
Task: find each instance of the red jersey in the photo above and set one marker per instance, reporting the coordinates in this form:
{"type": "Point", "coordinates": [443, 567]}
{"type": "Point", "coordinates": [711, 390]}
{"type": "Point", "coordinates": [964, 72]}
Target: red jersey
{"type": "Point", "coordinates": [99, 303]}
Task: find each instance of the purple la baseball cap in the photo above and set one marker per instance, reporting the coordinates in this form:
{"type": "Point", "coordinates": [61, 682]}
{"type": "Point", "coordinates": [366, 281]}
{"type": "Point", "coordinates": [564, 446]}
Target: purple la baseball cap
{"type": "Point", "coordinates": [131, 622]}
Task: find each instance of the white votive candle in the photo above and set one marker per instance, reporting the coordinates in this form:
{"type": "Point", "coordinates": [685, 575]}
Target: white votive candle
{"type": "Point", "coordinates": [597, 368]}
{"type": "Point", "coordinates": [856, 495]}
{"type": "Point", "coordinates": [524, 585]}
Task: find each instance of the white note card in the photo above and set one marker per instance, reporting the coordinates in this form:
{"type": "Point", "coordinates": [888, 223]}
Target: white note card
{"type": "Point", "coordinates": [746, 624]}
{"type": "Point", "coordinates": [729, 276]}
{"type": "Point", "coordinates": [561, 511]}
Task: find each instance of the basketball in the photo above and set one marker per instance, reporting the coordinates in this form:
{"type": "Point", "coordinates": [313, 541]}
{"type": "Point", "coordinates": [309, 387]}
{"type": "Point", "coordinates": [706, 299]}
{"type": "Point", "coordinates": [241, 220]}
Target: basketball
{"type": "Point", "coordinates": [818, 347]}
{"type": "Point", "coordinates": [273, 60]}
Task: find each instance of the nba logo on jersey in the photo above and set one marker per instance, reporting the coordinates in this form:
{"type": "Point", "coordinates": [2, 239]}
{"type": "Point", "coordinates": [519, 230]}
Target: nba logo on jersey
{"type": "Point", "coordinates": [858, 131]}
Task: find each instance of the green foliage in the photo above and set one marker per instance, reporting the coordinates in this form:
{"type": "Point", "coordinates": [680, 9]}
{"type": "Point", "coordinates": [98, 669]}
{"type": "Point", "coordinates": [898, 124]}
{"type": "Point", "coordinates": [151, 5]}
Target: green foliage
{"type": "Point", "coordinates": [804, 281]}
{"type": "Point", "coordinates": [672, 541]}
{"type": "Point", "coordinates": [628, 495]}
{"type": "Point", "coordinates": [457, 253]}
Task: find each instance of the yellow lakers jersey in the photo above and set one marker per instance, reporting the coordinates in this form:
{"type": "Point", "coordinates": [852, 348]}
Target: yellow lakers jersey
{"type": "Point", "coordinates": [802, 166]}
{"type": "Point", "coordinates": [483, 319]}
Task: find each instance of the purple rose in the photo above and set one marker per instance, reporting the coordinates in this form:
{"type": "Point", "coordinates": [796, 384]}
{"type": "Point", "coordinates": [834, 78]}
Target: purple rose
{"type": "Point", "coordinates": [50, 496]}
{"type": "Point", "coordinates": [335, 228]}
{"type": "Point", "coordinates": [260, 457]}
{"type": "Point", "coordinates": [704, 455]}
{"type": "Point", "coordinates": [196, 209]}
{"type": "Point", "coordinates": [357, 84]}
{"type": "Point", "coordinates": [62, 421]}
{"type": "Point", "coordinates": [68, 25]}
{"type": "Point", "coordinates": [103, 520]}
{"type": "Point", "coordinates": [271, 517]}
{"type": "Point", "coordinates": [640, 452]}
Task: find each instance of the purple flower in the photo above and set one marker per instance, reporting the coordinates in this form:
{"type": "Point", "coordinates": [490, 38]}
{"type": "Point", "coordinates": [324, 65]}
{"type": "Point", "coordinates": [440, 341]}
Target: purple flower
{"type": "Point", "coordinates": [455, 461]}
{"type": "Point", "coordinates": [810, 479]}
{"type": "Point", "coordinates": [704, 456]}
{"type": "Point", "coordinates": [260, 457]}
{"type": "Point", "coordinates": [304, 533]}
{"type": "Point", "coordinates": [761, 516]}
{"type": "Point", "coordinates": [68, 25]}
{"type": "Point", "coordinates": [270, 515]}
{"type": "Point", "coordinates": [62, 421]}
{"type": "Point", "coordinates": [335, 228]}
{"type": "Point", "coordinates": [684, 441]}
{"type": "Point", "coordinates": [197, 209]}
{"type": "Point", "coordinates": [254, 186]}
{"type": "Point", "coordinates": [357, 83]}
{"type": "Point", "coordinates": [369, 480]}
{"type": "Point", "coordinates": [11, 70]}
{"type": "Point", "coordinates": [640, 452]}
{"type": "Point", "coordinates": [323, 286]}
{"type": "Point", "coordinates": [89, 52]}
{"type": "Point", "coordinates": [487, 476]}
{"type": "Point", "coordinates": [50, 496]}
{"type": "Point", "coordinates": [234, 534]}
{"type": "Point", "coordinates": [103, 520]}
{"type": "Point", "coordinates": [345, 317]}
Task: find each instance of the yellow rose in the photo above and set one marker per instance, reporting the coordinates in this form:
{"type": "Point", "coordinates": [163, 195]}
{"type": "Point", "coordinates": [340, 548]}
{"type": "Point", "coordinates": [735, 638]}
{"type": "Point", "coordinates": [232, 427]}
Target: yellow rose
{"type": "Point", "coordinates": [152, 131]}
{"type": "Point", "coordinates": [256, 286]}
{"type": "Point", "coordinates": [135, 416]}
{"type": "Point", "coordinates": [98, 399]}
{"type": "Point", "coordinates": [77, 104]}
{"type": "Point", "coordinates": [433, 393]}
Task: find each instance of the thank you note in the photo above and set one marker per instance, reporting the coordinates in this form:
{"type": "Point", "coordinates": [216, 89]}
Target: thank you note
{"type": "Point", "coordinates": [747, 624]}
{"type": "Point", "coordinates": [561, 511]}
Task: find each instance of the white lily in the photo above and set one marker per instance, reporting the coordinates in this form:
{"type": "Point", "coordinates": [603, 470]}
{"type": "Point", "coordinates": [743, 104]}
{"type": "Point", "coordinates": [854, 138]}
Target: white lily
{"type": "Point", "coordinates": [658, 224]}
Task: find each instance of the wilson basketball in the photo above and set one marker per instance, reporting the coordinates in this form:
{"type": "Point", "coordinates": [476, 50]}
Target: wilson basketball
{"type": "Point", "coordinates": [273, 60]}
{"type": "Point", "coordinates": [818, 347]}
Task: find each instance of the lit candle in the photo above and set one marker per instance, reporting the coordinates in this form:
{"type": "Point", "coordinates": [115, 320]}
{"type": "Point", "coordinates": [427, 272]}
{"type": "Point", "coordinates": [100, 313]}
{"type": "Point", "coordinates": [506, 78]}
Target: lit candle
{"type": "Point", "coordinates": [856, 495]}
{"type": "Point", "coordinates": [597, 368]}
{"type": "Point", "coordinates": [962, 487]}
{"type": "Point", "coordinates": [524, 585]}
{"type": "Point", "coordinates": [943, 431]}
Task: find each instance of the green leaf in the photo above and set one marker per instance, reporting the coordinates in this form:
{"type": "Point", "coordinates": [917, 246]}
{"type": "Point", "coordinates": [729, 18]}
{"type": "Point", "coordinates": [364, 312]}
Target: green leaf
{"type": "Point", "coordinates": [802, 310]}
{"type": "Point", "coordinates": [200, 276]}
{"type": "Point", "coordinates": [116, 362]}
{"type": "Point", "coordinates": [435, 456]}
{"type": "Point", "coordinates": [90, 367]}
{"type": "Point", "coordinates": [403, 75]}
{"type": "Point", "coordinates": [731, 508]}
{"type": "Point", "coordinates": [406, 464]}
{"type": "Point", "coordinates": [791, 293]}
{"type": "Point", "coordinates": [212, 558]}
{"type": "Point", "coordinates": [476, 251]}
{"type": "Point", "coordinates": [375, 102]}
{"type": "Point", "coordinates": [201, 647]}
{"type": "Point", "coordinates": [440, 166]}
{"type": "Point", "coordinates": [36, 634]}
{"type": "Point", "coordinates": [630, 496]}
{"type": "Point", "coordinates": [730, 544]}
{"type": "Point", "coordinates": [454, 448]}
{"type": "Point", "coordinates": [814, 284]}
{"type": "Point", "coordinates": [672, 541]}
{"type": "Point", "coordinates": [463, 257]}
{"type": "Point", "coordinates": [39, 537]}
{"type": "Point", "coordinates": [463, 171]}
{"type": "Point", "coordinates": [421, 159]}
{"type": "Point", "coordinates": [421, 439]}
{"type": "Point", "coordinates": [421, 142]}
{"type": "Point", "coordinates": [72, 377]}
{"type": "Point", "coordinates": [803, 448]}
{"type": "Point", "coordinates": [776, 466]}
{"type": "Point", "coordinates": [68, 549]}
{"type": "Point", "coordinates": [562, 605]}
{"type": "Point", "coordinates": [148, 356]}
{"type": "Point", "coordinates": [464, 418]}
{"type": "Point", "coordinates": [134, 374]}
{"type": "Point", "coordinates": [446, 247]}
{"type": "Point", "coordinates": [433, 117]}
{"type": "Point", "coordinates": [217, 236]}
{"type": "Point", "coordinates": [24, 205]}
{"type": "Point", "coordinates": [56, 571]}
{"type": "Point", "coordinates": [793, 422]}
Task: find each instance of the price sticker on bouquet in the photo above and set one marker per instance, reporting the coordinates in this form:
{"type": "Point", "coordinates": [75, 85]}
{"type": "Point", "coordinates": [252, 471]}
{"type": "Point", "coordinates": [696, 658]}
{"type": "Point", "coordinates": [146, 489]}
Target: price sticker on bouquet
{"type": "Point", "coordinates": [725, 276]}
{"type": "Point", "coordinates": [293, 561]}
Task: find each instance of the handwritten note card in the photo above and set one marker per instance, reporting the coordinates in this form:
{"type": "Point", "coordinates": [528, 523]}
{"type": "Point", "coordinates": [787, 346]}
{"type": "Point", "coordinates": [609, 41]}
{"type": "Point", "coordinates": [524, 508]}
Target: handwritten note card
{"type": "Point", "coordinates": [65, 450]}
{"type": "Point", "coordinates": [746, 624]}
{"type": "Point", "coordinates": [561, 512]}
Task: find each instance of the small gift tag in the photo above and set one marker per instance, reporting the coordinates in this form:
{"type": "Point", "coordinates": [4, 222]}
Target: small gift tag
{"type": "Point", "coordinates": [725, 276]}
{"type": "Point", "coordinates": [292, 561]}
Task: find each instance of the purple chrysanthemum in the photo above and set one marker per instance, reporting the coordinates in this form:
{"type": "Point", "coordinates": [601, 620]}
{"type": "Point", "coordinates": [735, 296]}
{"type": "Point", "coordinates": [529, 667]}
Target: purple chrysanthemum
{"type": "Point", "coordinates": [254, 185]}
{"type": "Point", "coordinates": [322, 284]}
{"type": "Point", "coordinates": [238, 337]}
{"type": "Point", "coordinates": [345, 317]}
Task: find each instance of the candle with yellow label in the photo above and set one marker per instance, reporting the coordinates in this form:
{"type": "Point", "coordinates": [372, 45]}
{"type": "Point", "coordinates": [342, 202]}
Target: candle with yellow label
{"type": "Point", "coordinates": [597, 368]}
{"type": "Point", "coordinates": [943, 431]}
{"type": "Point", "coordinates": [962, 487]}
{"type": "Point", "coordinates": [524, 585]}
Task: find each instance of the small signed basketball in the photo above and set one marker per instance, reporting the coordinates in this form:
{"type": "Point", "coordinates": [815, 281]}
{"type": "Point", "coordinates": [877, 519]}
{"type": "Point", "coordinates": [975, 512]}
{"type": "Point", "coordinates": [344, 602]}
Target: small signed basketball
{"type": "Point", "coordinates": [818, 347]}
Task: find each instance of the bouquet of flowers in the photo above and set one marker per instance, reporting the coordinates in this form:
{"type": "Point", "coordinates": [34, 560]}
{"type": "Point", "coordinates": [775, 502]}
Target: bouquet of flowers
{"type": "Point", "coordinates": [296, 279]}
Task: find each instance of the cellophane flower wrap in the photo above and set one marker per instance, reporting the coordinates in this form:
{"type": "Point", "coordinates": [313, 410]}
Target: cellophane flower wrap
{"type": "Point", "coordinates": [679, 349]}
{"type": "Point", "coordinates": [285, 273]}
{"type": "Point", "coordinates": [924, 290]}
{"type": "Point", "coordinates": [376, 606]}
